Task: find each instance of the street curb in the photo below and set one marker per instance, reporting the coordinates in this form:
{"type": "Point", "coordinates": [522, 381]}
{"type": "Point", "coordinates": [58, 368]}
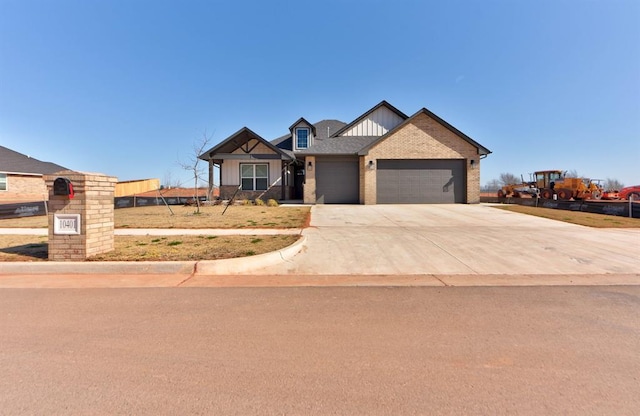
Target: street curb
{"type": "Point", "coordinates": [225, 266]}
{"type": "Point", "coordinates": [98, 267]}
{"type": "Point", "coordinates": [242, 265]}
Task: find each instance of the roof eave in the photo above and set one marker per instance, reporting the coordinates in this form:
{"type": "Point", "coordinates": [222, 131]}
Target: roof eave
{"type": "Point", "coordinates": [481, 149]}
{"type": "Point", "coordinates": [209, 154]}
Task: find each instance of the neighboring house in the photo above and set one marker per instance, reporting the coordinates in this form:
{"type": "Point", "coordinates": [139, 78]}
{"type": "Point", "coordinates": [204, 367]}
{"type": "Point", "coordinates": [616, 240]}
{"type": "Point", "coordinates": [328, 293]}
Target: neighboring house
{"type": "Point", "coordinates": [383, 156]}
{"type": "Point", "coordinates": [21, 177]}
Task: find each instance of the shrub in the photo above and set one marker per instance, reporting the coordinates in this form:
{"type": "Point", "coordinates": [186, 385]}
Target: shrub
{"type": "Point", "coordinates": [272, 203]}
{"type": "Point", "coordinates": [259, 202]}
{"type": "Point", "coordinates": [247, 202]}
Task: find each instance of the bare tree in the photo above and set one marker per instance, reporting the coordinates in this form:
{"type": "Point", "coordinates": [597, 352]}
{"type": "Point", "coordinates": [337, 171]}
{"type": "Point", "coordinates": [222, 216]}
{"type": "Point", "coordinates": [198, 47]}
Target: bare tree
{"type": "Point", "coordinates": [193, 164]}
{"type": "Point", "coordinates": [611, 184]}
{"type": "Point", "coordinates": [508, 179]}
{"type": "Point", "coordinates": [572, 173]}
{"type": "Point", "coordinates": [168, 181]}
{"type": "Point", "coordinates": [492, 186]}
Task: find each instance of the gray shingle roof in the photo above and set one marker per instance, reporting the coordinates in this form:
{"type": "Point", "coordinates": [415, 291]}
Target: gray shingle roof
{"type": "Point", "coordinates": [324, 129]}
{"type": "Point", "coordinates": [342, 145]}
{"type": "Point", "coordinates": [14, 162]}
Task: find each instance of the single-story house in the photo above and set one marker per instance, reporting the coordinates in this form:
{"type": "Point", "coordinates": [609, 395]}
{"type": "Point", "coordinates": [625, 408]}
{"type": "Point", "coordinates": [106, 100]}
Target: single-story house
{"type": "Point", "coordinates": [21, 177]}
{"type": "Point", "coordinates": [381, 157]}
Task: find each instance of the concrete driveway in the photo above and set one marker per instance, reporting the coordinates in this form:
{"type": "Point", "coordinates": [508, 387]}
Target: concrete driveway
{"type": "Point", "coordinates": [455, 239]}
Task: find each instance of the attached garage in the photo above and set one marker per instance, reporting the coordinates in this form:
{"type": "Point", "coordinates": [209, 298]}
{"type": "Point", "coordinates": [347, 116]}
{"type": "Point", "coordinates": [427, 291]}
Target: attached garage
{"type": "Point", "coordinates": [337, 180]}
{"type": "Point", "coordinates": [421, 181]}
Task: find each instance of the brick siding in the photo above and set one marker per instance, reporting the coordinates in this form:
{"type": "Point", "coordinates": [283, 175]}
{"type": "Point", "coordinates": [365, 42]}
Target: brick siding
{"type": "Point", "coordinates": [422, 138]}
{"type": "Point", "coordinates": [24, 188]}
{"type": "Point", "coordinates": [227, 191]}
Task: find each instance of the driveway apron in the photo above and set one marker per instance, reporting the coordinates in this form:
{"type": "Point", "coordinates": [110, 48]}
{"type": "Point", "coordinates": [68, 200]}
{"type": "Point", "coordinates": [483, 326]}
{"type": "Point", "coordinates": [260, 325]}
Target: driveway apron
{"type": "Point", "coordinates": [455, 239]}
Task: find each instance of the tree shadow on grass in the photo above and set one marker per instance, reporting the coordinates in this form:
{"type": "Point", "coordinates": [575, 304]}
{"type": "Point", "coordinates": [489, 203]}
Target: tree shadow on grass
{"type": "Point", "coordinates": [28, 251]}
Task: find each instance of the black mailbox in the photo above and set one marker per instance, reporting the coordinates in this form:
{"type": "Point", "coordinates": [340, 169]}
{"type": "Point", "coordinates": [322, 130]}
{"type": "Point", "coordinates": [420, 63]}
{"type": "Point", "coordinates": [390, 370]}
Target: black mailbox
{"type": "Point", "coordinates": [63, 186]}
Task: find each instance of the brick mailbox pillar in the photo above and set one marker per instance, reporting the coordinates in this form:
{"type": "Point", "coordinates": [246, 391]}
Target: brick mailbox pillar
{"type": "Point", "coordinates": [80, 214]}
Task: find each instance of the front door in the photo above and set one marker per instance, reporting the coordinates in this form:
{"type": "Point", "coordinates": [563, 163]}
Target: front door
{"type": "Point", "coordinates": [298, 181]}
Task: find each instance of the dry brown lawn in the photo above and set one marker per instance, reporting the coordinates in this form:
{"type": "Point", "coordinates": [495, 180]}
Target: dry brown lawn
{"type": "Point", "coordinates": [576, 217]}
{"type": "Point", "coordinates": [185, 217]}
{"type": "Point", "coordinates": [154, 248]}
{"type": "Point", "coordinates": [174, 248]}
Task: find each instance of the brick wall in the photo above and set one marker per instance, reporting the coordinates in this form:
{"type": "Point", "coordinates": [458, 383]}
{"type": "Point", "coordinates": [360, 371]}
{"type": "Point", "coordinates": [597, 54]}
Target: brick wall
{"type": "Point", "coordinates": [423, 138]}
{"type": "Point", "coordinates": [309, 195]}
{"type": "Point", "coordinates": [24, 188]}
{"type": "Point", "coordinates": [227, 191]}
{"type": "Point", "coordinates": [93, 200]}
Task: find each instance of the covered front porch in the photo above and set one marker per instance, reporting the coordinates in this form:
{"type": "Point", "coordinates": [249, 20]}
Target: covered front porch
{"type": "Point", "coordinates": [249, 167]}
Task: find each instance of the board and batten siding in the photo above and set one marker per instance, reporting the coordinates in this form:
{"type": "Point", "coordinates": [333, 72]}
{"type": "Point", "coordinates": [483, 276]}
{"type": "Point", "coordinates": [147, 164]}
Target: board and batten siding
{"type": "Point", "coordinates": [377, 123]}
{"type": "Point", "coordinates": [230, 170]}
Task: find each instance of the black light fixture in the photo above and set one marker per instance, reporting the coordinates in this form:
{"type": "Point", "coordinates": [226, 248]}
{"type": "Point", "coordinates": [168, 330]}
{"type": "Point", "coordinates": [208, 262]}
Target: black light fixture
{"type": "Point", "coordinates": [309, 165]}
{"type": "Point", "coordinates": [371, 164]}
{"type": "Point", "coordinates": [473, 163]}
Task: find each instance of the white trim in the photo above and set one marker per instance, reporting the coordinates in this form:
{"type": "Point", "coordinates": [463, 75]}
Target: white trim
{"type": "Point", "coordinates": [6, 182]}
{"type": "Point", "coordinates": [254, 177]}
{"type": "Point", "coordinates": [22, 173]}
{"type": "Point", "coordinates": [295, 138]}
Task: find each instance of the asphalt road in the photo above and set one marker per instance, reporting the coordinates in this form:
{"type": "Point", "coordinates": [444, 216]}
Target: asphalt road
{"type": "Point", "coordinates": [320, 351]}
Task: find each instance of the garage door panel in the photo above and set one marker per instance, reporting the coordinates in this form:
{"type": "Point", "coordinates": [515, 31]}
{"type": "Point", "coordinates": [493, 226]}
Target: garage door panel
{"type": "Point", "coordinates": [337, 181]}
{"type": "Point", "coordinates": [421, 181]}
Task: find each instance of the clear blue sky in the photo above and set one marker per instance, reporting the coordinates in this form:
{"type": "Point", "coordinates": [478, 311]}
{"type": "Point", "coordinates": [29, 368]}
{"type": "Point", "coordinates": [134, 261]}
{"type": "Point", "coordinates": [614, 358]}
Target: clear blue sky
{"type": "Point", "coordinates": [126, 87]}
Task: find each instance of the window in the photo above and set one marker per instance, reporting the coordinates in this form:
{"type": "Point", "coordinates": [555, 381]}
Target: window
{"type": "Point", "coordinates": [302, 138]}
{"type": "Point", "coordinates": [254, 177]}
{"type": "Point", "coordinates": [3, 181]}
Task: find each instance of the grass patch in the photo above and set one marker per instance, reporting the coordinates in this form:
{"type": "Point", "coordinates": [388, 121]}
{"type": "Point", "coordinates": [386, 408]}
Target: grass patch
{"type": "Point", "coordinates": [174, 243]}
{"type": "Point", "coordinates": [210, 217]}
{"type": "Point", "coordinates": [575, 217]}
{"type": "Point", "coordinates": [142, 248]}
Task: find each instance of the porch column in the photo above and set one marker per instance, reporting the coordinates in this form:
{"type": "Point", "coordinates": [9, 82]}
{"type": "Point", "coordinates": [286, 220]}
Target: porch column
{"type": "Point", "coordinates": [283, 182]}
{"type": "Point", "coordinates": [210, 192]}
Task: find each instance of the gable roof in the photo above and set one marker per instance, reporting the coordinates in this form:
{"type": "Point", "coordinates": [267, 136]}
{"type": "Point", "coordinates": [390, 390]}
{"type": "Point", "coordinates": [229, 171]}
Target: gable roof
{"type": "Point", "coordinates": [323, 130]}
{"type": "Point", "coordinates": [15, 162]}
{"type": "Point", "coordinates": [233, 142]}
{"type": "Point", "coordinates": [481, 149]}
{"type": "Point", "coordinates": [382, 103]}
{"type": "Point", "coordinates": [300, 120]}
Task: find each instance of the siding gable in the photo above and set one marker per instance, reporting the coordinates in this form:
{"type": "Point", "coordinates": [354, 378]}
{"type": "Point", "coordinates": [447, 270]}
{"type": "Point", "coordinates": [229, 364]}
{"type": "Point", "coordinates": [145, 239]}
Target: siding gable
{"type": "Point", "coordinates": [377, 123]}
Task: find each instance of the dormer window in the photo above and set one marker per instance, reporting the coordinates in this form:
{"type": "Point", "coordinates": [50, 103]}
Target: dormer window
{"type": "Point", "coordinates": [302, 138]}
